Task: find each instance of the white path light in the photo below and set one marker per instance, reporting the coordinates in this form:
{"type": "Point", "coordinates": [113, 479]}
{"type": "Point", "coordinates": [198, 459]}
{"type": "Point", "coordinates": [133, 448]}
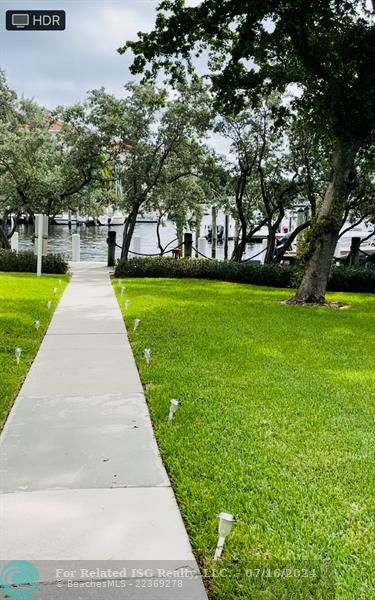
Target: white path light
{"type": "Point", "coordinates": [126, 305]}
{"type": "Point", "coordinates": [37, 325]}
{"type": "Point", "coordinates": [60, 282]}
{"type": "Point", "coordinates": [49, 304]}
{"type": "Point", "coordinates": [123, 290]}
{"type": "Point", "coordinates": [55, 290]}
{"type": "Point", "coordinates": [173, 408]}
{"type": "Point", "coordinates": [18, 352]}
{"type": "Point", "coordinates": [226, 522]}
{"type": "Point", "coordinates": [147, 355]}
{"type": "Point", "coordinates": [120, 283]}
{"type": "Point", "coordinates": [136, 323]}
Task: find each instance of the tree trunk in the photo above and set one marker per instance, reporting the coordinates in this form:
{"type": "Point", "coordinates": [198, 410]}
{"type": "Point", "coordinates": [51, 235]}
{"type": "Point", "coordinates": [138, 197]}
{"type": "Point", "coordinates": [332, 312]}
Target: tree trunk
{"type": "Point", "coordinates": [240, 244]}
{"type": "Point", "coordinates": [239, 247]}
{"type": "Point", "coordinates": [128, 232]}
{"type": "Point", "coordinates": [271, 244]}
{"type": "Point", "coordinates": [158, 225]}
{"type": "Point", "coordinates": [180, 233]}
{"type": "Point", "coordinates": [281, 250]}
{"type": "Point", "coordinates": [4, 241]}
{"type": "Point", "coordinates": [5, 235]}
{"type": "Point", "coordinates": [325, 230]}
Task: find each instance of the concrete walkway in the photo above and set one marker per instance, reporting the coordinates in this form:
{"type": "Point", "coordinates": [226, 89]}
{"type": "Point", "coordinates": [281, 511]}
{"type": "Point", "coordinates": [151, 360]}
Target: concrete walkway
{"type": "Point", "coordinates": [81, 479]}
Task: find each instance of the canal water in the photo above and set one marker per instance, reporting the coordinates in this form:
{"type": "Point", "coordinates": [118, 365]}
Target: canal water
{"type": "Point", "coordinates": [94, 240]}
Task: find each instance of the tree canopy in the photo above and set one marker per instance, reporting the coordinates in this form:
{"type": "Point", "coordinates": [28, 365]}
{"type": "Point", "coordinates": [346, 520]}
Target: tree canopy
{"type": "Point", "coordinates": [321, 51]}
{"type": "Point", "coordinates": [324, 47]}
{"type": "Point", "coordinates": [42, 168]}
{"type": "Point", "coordinates": [157, 139]}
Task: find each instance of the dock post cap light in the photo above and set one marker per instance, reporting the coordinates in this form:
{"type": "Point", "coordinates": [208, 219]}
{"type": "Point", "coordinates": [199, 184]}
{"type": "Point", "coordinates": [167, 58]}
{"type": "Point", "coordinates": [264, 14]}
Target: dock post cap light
{"type": "Point", "coordinates": [18, 352]}
{"type": "Point", "coordinates": [173, 408]}
{"type": "Point", "coordinates": [226, 522]}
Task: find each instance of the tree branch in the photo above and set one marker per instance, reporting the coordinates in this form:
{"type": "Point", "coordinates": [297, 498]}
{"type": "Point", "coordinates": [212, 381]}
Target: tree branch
{"type": "Point", "coordinates": [352, 226]}
{"type": "Point", "coordinates": [281, 250]}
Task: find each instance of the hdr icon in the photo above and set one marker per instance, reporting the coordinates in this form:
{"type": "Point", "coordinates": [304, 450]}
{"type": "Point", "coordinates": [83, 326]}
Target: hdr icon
{"type": "Point", "coordinates": [35, 20]}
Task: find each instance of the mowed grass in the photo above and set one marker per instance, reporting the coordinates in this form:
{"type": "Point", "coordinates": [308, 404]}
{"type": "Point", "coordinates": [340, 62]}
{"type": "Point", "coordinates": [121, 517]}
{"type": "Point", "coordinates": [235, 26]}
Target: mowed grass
{"type": "Point", "coordinates": [276, 426]}
{"type": "Point", "coordinates": [23, 300]}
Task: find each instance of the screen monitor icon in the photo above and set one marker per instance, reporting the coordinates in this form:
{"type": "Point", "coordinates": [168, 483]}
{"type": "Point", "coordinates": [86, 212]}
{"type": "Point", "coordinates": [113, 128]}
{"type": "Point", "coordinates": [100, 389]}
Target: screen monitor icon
{"type": "Point", "coordinates": [20, 20]}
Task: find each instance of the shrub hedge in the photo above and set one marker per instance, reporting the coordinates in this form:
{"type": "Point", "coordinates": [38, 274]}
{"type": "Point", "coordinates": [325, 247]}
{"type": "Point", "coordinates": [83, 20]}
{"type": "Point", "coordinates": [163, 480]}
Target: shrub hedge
{"type": "Point", "coordinates": [25, 262]}
{"type": "Point", "coordinates": [351, 279]}
{"type": "Point", "coordinates": [206, 269]}
{"type": "Point", "coordinates": [342, 279]}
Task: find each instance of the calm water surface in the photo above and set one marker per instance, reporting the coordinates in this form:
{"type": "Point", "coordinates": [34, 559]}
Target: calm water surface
{"type": "Point", "coordinates": [94, 240]}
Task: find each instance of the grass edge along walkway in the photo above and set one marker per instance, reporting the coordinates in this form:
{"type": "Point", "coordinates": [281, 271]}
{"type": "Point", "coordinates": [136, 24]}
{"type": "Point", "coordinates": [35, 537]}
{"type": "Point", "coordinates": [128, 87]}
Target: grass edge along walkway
{"type": "Point", "coordinates": [23, 301]}
{"type": "Point", "coordinates": [82, 478]}
{"type": "Point", "coordinates": [276, 426]}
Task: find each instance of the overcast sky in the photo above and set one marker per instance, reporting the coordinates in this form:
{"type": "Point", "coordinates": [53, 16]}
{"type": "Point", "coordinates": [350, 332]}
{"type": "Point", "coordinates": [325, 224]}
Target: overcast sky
{"type": "Point", "coordinates": [59, 67]}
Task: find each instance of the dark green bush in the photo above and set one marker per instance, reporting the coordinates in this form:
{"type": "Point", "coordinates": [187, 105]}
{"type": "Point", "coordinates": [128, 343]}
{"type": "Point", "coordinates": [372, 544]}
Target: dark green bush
{"type": "Point", "coordinates": [351, 279]}
{"type": "Point", "coordinates": [25, 262]}
{"type": "Point", "coordinates": [342, 279]}
{"type": "Point", "coordinates": [272, 275]}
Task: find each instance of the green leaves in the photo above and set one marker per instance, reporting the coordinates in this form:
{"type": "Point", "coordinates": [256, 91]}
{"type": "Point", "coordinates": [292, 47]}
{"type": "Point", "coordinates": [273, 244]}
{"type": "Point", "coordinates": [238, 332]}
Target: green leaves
{"type": "Point", "coordinates": [43, 169]}
{"type": "Point", "coordinates": [326, 48]}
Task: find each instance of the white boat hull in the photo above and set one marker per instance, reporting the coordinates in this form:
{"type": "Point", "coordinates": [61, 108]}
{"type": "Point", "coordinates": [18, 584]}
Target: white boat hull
{"type": "Point", "coordinates": [64, 220]}
{"type": "Point", "coordinates": [105, 220]}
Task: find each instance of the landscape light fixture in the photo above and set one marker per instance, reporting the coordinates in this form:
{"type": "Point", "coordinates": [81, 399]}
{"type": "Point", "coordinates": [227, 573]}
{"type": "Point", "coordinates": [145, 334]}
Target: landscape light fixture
{"type": "Point", "coordinates": [37, 325]}
{"type": "Point", "coordinates": [226, 522]}
{"type": "Point", "coordinates": [60, 282]}
{"type": "Point", "coordinates": [126, 305]}
{"type": "Point", "coordinates": [18, 352]}
{"type": "Point", "coordinates": [123, 290]}
{"type": "Point", "coordinates": [120, 283]}
{"type": "Point", "coordinates": [173, 408]}
{"type": "Point", "coordinates": [49, 304]}
{"type": "Point", "coordinates": [136, 323]}
{"type": "Point", "coordinates": [147, 355]}
{"type": "Point", "coordinates": [55, 290]}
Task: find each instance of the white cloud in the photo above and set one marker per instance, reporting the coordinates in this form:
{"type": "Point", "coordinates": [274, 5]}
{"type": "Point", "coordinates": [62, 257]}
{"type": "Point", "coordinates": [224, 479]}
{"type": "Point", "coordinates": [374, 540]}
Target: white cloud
{"type": "Point", "coordinates": [59, 67]}
{"type": "Point", "coordinates": [109, 26]}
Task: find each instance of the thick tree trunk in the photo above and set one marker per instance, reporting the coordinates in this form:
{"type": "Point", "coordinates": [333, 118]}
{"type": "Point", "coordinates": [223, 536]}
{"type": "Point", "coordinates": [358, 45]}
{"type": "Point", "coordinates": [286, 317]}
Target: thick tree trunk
{"type": "Point", "coordinates": [271, 244]}
{"type": "Point", "coordinates": [325, 230]}
{"type": "Point", "coordinates": [239, 247]}
{"type": "Point", "coordinates": [128, 232]}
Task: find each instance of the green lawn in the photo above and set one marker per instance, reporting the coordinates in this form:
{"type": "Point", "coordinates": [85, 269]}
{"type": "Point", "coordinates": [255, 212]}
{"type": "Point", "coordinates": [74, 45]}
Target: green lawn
{"type": "Point", "coordinates": [276, 426]}
{"type": "Point", "coordinates": [23, 300]}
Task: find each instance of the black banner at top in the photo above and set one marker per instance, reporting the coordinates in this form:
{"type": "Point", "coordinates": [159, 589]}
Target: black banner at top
{"type": "Point", "coordinates": [35, 20]}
